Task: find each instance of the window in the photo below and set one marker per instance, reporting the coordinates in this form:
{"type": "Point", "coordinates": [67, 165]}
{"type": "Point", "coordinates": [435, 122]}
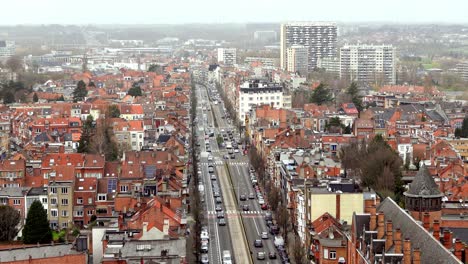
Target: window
{"type": "Point", "coordinates": [16, 201]}
{"type": "Point", "coordinates": [64, 201]}
{"type": "Point", "coordinates": [133, 135]}
{"type": "Point", "coordinates": [53, 201]}
{"type": "Point", "coordinates": [78, 175]}
{"type": "Point", "coordinates": [102, 197]}
{"type": "Point", "coordinates": [90, 200]}
{"type": "Point", "coordinates": [64, 225]}
{"type": "Point", "coordinates": [90, 212]}
{"type": "Point", "coordinates": [124, 188]}
{"type": "Point", "coordinates": [44, 200]}
{"type": "Point", "coordinates": [79, 213]}
{"type": "Point", "coordinates": [64, 190]}
{"type": "Point", "coordinates": [54, 213]}
{"type": "Point", "coordinates": [79, 200]}
{"type": "Point", "coordinates": [64, 213]}
{"type": "Point", "coordinates": [53, 189]}
{"type": "Point", "coordinates": [332, 254]}
{"type": "Point", "coordinates": [325, 253]}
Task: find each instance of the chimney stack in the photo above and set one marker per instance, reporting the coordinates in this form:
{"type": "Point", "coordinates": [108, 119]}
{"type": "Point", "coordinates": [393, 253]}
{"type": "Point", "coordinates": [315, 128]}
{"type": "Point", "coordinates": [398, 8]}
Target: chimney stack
{"type": "Point", "coordinates": [380, 225]}
{"type": "Point", "coordinates": [436, 228]}
{"type": "Point", "coordinates": [458, 248]}
{"type": "Point", "coordinates": [426, 221]}
{"type": "Point", "coordinates": [373, 218]}
{"type": "Point", "coordinates": [416, 256]}
{"type": "Point", "coordinates": [397, 241]}
{"type": "Point", "coordinates": [447, 239]}
{"type": "Point", "coordinates": [407, 251]}
{"type": "Point", "coordinates": [389, 236]}
{"type": "Point", "coordinates": [166, 226]}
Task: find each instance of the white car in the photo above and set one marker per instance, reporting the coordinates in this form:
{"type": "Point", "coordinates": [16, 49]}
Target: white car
{"type": "Point", "coordinates": [236, 150]}
{"type": "Point", "coordinates": [261, 201]}
{"type": "Point", "coordinates": [204, 235]}
{"type": "Point", "coordinates": [210, 158]}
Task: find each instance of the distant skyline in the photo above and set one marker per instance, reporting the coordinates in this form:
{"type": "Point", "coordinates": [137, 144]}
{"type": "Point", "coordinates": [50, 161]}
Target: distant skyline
{"type": "Point", "coordinates": [236, 11]}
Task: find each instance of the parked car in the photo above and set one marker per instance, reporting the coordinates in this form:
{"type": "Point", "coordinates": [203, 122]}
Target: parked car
{"type": "Point", "coordinates": [274, 229]}
{"type": "Point", "coordinates": [219, 200]}
{"type": "Point", "coordinates": [272, 255]}
{"type": "Point", "coordinates": [204, 259]}
{"type": "Point", "coordinates": [204, 247]}
{"type": "Point", "coordinates": [204, 235]}
{"type": "Point", "coordinates": [264, 206]}
{"type": "Point", "coordinates": [278, 241]}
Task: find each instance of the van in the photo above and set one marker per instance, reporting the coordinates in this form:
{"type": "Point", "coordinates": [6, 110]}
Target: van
{"type": "Point", "coordinates": [278, 241]}
{"type": "Point", "coordinates": [227, 257]}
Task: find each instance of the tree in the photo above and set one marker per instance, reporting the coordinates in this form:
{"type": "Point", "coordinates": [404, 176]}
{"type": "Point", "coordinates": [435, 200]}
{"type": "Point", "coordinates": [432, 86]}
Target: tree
{"type": "Point", "coordinates": [15, 64]}
{"type": "Point", "coordinates": [463, 131]}
{"type": "Point", "coordinates": [321, 95]}
{"type": "Point", "coordinates": [80, 92]}
{"type": "Point", "coordinates": [61, 98]}
{"type": "Point", "coordinates": [135, 91]}
{"type": "Point", "coordinates": [9, 220]}
{"type": "Point", "coordinates": [35, 98]}
{"type": "Point", "coordinates": [299, 252]}
{"type": "Point", "coordinates": [355, 97]}
{"type": "Point", "coordinates": [113, 111]}
{"type": "Point", "coordinates": [91, 84]}
{"type": "Point", "coordinates": [334, 125]}
{"type": "Point", "coordinates": [37, 229]}
{"type": "Point", "coordinates": [283, 219]}
{"type": "Point", "coordinates": [85, 139]}
{"type": "Point", "coordinates": [8, 97]}
{"type": "Point", "coordinates": [273, 197]}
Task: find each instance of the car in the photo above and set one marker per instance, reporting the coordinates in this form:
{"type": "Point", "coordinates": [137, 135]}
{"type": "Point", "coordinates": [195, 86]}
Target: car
{"type": "Point", "coordinates": [216, 194]}
{"type": "Point", "coordinates": [210, 169]}
{"type": "Point", "coordinates": [219, 200]}
{"type": "Point", "coordinates": [274, 229]}
{"type": "Point", "coordinates": [272, 255]}
{"type": "Point", "coordinates": [220, 215]}
{"type": "Point", "coordinates": [208, 150]}
{"type": "Point", "coordinates": [264, 206]}
{"type": "Point", "coordinates": [210, 158]}
{"type": "Point", "coordinates": [233, 156]}
{"type": "Point", "coordinates": [204, 235]}
{"type": "Point", "coordinates": [213, 177]}
{"type": "Point", "coordinates": [242, 197]}
{"type": "Point", "coordinates": [264, 235]}
{"type": "Point", "coordinates": [261, 255]}
{"type": "Point", "coordinates": [226, 156]}
{"type": "Point", "coordinates": [258, 243]}
{"type": "Point", "coordinates": [227, 257]}
{"type": "Point", "coordinates": [204, 247]}
{"type": "Point", "coordinates": [236, 150]}
{"type": "Point", "coordinates": [269, 223]}
{"type": "Point", "coordinates": [218, 208]}
{"type": "Point", "coordinates": [268, 216]}
{"type": "Point", "coordinates": [261, 201]}
{"type": "Point", "coordinates": [245, 207]}
{"type": "Point", "coordinates": [278, 241]}
{"type": "Point", "coordinates": [204, 259]}
{"type": "Point", "coordinates": [222, 222]}
{"type": "Point", "coordinates": [251, 196]}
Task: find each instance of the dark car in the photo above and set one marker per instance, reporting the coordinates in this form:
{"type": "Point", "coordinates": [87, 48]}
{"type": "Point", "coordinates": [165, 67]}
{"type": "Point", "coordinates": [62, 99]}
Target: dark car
{"type": "Point", "coordinates": [264, 206]}
{"type": "Point", "coordinates": [272, 255]}
{"type": "Point", "coordinates": [220, 215]}
{"type": "Point", "coordinates": [245, 207]}
{"type": "Point", "coordinates": [258, 243]}
{"type": "Point", "coordinates": [274, 229]}
{"type": "Point", "coordinates": [242, 197]}
{"type": "Point", "coordinates": [233, 156]}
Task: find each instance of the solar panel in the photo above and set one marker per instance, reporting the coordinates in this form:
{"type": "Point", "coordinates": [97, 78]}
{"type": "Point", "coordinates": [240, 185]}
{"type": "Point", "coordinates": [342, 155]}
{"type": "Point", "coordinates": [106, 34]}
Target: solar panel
{"type": "Point", "coordinates": [111, 185]}
{"type": "Point", "coordinates": [150, 171]}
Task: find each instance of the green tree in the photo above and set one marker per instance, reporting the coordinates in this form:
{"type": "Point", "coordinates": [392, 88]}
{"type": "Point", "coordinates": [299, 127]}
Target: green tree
{"type": "Point", "coordinates": [355, 97]}
{"type": "Point", "coordinates": [37, 229]}
{"type": "Point", "coordinates": [334, 125]}
{"type": "Point", "coordinates": [9, 220]}
{"type": "Point", "coordinates": [80, 92]}
{"type": "Point", "coordinates": [113, 111]}
{"type": "Point", "coordinates": [321, 95]}
{"type": "Point", "coordinates": [8, 97]}
{"type": "Point", "coordinates": [61, 98]}
{"type": "Point", "coordinates": [463, 131]}
{"type": "Point", "coordinates": [86, 133]}
{"type": "Point", "coordinates": [135, 91]}
{"type": "Point", "coordinates": [35, 98]}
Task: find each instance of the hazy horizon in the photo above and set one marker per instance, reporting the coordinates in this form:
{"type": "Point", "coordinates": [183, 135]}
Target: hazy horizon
{"type": "Point", "coordinates": [146, 12]}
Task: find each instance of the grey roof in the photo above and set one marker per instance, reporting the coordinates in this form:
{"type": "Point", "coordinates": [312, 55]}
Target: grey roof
{"type": "Point", "coordinates": [175, 247]}
{"type": "Point", "coordinates": [432, 251]}
{"type": "Point", "coordinates": [12, 191]}
{"type": "Point", "coordinates": [67, 137]}
{"type": "Point", "coordinates": [423, 185]}
{"type": "Point", "coordinates": [36, 252]}
{"type": "Point", "coordinates": [163, 138]}
{"type": "Point", "coordinates": [35, 191]}
{"type": "Point", "coordinates": [360, 221]}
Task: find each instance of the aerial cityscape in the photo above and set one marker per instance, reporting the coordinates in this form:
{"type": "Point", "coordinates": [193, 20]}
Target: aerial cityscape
{"type": "Point", "coordinates": [244, 132]}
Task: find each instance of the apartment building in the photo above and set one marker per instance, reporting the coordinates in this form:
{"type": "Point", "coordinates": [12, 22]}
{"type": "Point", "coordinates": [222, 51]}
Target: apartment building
{"type": "Point", "coordinates": [258, 92]}
{"type": "Point", "coordinates": [319, 37]}
{"type": "Point", "coordinates": [268, 62]}
{"type": "Point", "coordinates": [227, 56]}
{"type": "Point", "coordinates": [368, 63]}
{"type": "Point", "coordinates": [60, 206]}
{"type": "Point", "coordinates": [7, 49]}
{"type": "Point", "coordinates": [298, 59]}
{"type": "Point", "coordinates": [462, 69]}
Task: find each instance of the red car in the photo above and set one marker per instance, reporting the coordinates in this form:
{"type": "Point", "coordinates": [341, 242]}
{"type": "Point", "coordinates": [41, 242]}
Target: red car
{"type": "Point", "coordinates": [264, 206]}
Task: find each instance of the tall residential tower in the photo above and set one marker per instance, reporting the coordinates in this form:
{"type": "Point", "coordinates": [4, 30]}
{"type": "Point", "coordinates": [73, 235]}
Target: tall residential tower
{"type": "Point", "coordinates": [319, 37]}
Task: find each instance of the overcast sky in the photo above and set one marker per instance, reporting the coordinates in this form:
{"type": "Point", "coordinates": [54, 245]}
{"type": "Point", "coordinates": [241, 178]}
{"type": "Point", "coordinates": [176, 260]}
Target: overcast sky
{"type": "Point", "coordinates": [223, 11]}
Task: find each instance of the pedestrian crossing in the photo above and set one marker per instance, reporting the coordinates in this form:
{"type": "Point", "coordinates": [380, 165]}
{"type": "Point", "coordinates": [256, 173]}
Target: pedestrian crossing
{"type": "Point", "coordinates": [219, 163]}
{"type": "Point", "coordinates": [235, 212]}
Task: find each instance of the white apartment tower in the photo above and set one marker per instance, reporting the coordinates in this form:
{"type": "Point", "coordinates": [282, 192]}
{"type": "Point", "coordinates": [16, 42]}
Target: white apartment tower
{"type": "Point", "coordinates": [298, 59]}
{"type": "Point", "coordinates": [7, 49]}
{"type": "Point", "coordinates": [227, 55]}
{"type": "Point", "coordinates": [319, 37]}
{"type": "Point", "coordinates": [368, 63]}
{"type": "Point", "coordinates": [258, 92]}
{"type": "Point", "coordinates": [462, 69]}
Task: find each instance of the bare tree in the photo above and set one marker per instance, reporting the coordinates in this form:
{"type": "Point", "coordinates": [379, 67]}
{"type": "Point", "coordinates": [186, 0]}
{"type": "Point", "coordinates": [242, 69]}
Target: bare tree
{"type": "Point", "coordinates": [15, 64]}
{"type": "Point", "coordinates": [298, 251]}
{"type": "Point", "coordinates": [282, 217]}
{"type": "Point", "coordinates": [9, 219]}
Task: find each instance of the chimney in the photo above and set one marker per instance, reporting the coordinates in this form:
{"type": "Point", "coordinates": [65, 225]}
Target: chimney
{"type": "Point", "coordinates": [397, 241]}
{"type": "Point", "coordinates": [338, 206]}
{"type": "Point", "coordinates": [166, 226]}
{"type": "Point", "coordinates": [416, 256]}
{"type": "Point", "coordinates": [145, 227]}
{"type": "Point", "coordinates": [373, 218]}
{"type": "Point", "coordinates": [389, 235]}
{"type": "Point", "coordinates": [380, 225]}
{"type": "Point", "coordinates": [447, 239]}
{"type": "Point", "coordinates": [407, 251]}
{"type": "Point", "coordinates": [458, 248]}
{"type": "Point", "coordinates": [436, 228]}
{"type": "Point", "coordinates": [426, 221]}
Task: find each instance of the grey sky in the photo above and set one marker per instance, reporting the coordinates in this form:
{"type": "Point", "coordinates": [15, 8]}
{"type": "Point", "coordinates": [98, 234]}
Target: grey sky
{"type": "Point", "coordinates": [222, 11]}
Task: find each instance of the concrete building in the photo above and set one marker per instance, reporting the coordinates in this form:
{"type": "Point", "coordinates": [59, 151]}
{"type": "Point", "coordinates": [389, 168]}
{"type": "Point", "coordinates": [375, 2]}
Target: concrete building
{"type": "Point", "coordinates": [319, 37]}
{"type": "Point", "coordinates": [268, 62]}
{"type": "Point", "coordinates": [227, 55]}
{"type": "Point", "coordinates": [462, 69]}
{"type": "Point", "coordinates": [368, 63]}
{"type": "Point", "coordinates": [265, 35]}
{"type": "Point", "coordinates": [60, 207]}
{"type": "Point", "coordinates": [7, 49]}
{"type": "Point", "coordinates": [298, 59]}
{"type": "Point", "coordinates": [329, 64]}
{"type": "Point", "coordinates": [257, 92]}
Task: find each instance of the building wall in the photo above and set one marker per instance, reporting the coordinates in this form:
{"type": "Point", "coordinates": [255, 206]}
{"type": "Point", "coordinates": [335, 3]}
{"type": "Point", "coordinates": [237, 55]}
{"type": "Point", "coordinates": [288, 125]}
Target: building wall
{"type": "Point", "coordinates": [325, 254]}
{"type": "Point", "coordinates": [227, 55]}
{"type": "Point", "coordinates": [348, 203]}
{"type": "Point", "coordinates": [298, 59]}
{"type": "Point", "coordinates": [76, 259]}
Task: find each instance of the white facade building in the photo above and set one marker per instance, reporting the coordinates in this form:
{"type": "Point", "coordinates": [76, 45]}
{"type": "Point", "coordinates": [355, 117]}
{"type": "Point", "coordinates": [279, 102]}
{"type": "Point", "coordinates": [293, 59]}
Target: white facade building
{"type": "Point", "coordinates": [258, 92]}
{"type": "Point", "coordinates": [319, 37]}
{"type": "Point", "coordinates": [7, 49]}
{"type": "Point", "coordinates": [227, 55]}
{"type": "Point", "coordinates": [462, 69]}
{"type": "Point", "coordinates": [368, 63]}
{"type": "Point", "coordinates": [298, 59]}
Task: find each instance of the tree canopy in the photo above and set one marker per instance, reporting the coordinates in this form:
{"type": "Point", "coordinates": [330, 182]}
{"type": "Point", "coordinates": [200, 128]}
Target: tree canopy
{"type": "Point", "coordinates": [9, 220]}
{"type": "Point", "coordinates": [135, 90]}
{"type": "Point", "coordinates": [80, 92]}
{"type": "Point", "coordinates": [321, 95]}
{"type": "Point", "coordinates": [37, 229]}
{"type": "Point", "coordinates": [463, 131]}
{"type": "Point", "coordinates": [35, 98]}
{"type": "Point", "coordinates": [353, 92]}
{"type": "Point", "coordinates": [113, 111]}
